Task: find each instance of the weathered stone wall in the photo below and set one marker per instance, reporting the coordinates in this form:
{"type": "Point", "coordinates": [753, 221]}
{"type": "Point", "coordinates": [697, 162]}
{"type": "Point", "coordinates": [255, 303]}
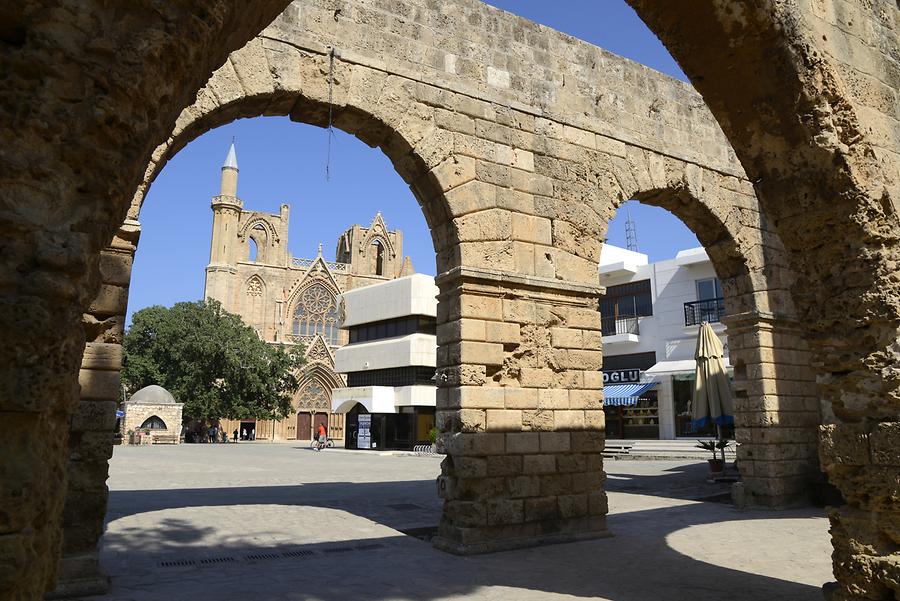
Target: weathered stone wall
{"type": "Point", "coordinates": [520, 410]}
{"type": "Point", "coordinates": [511, 183]}
{"type": "Point", "coordinates": [87, 94]}
{"type": "Point", "coordinates": [807, 92]}
{"type": "Point", "coordinates": [170, 413]}
{"type": "Point", "coordinates": [518, 153]}
{"type": "Point", "coordinates": [94, 418]}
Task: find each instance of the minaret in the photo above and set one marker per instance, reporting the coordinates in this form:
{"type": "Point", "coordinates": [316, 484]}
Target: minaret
{"type": "Point", "coordinates": [229, 174]}
{"type": "Point", "coordinates": [222, 269]}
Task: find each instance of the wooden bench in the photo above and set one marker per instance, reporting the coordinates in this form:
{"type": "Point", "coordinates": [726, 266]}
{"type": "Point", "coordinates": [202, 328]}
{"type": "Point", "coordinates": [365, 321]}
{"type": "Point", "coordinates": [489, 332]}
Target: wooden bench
{"type": "Point", "coordinates": [165, 438]}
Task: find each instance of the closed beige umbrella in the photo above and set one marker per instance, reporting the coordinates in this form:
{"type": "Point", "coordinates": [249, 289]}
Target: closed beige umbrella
{"type": "Point", "coordinates": [712, 390]}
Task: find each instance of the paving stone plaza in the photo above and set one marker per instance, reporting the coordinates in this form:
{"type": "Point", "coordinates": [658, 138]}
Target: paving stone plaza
{"type": "Point", "coordinates": [241, 521]}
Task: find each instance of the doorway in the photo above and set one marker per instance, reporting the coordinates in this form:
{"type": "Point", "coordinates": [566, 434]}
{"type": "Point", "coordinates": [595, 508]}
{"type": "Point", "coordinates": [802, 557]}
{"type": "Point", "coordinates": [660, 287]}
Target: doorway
{"type": "Point", "coordinates": [304, 425]}
{"type": "Point", "coordinates": [248, 430]}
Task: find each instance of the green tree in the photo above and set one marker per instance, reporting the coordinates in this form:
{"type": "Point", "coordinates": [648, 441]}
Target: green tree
{"type": "Point", "coordinates": [211, 361]}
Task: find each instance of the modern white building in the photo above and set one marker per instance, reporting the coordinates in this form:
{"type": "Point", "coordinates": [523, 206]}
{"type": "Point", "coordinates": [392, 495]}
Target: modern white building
{"type": "Point", "coordinates": [650, 317]}
{"type": "Point", "coordinates": [389, 363]}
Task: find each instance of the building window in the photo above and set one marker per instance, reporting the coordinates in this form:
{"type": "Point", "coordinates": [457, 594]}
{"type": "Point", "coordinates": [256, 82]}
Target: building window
{"type": "Point", "coordinates": [392, 328]}
{"type": "Point", "coordinates": [257, 240]}
{"type": "Point", "coordinates": [153, 423]}
{"type": "Point", "coordinates": [379, 258]}
{"type": "Point", "coordinates": [624, 303]}
{"type": "Point", "coordinates": [709, 306]}
{"type": "Point", "coordinates": [317, 313]}
{"type": "Point", "coordinates": [395, 376]}
{"type": "Point", "coordinates": [709, 289]}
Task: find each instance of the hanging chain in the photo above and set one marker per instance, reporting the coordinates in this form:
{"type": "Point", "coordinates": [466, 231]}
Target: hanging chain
{"type": "Point", "coordinates": [330, 113]}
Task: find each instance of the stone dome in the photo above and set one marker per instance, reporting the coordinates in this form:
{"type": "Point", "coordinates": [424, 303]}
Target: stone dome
{"type": "Point", "coordinates": [152, 395]}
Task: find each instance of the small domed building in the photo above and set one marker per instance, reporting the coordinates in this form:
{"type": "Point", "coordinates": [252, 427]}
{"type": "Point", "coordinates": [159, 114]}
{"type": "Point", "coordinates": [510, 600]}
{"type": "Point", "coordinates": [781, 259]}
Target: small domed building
{"type": "Point", "coordinates": [154, 409]}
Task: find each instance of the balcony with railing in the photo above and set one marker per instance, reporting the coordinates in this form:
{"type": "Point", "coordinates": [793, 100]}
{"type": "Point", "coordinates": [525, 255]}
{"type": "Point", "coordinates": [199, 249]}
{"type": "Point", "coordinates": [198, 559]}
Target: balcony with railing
{"type": "Point", "coordinates": [711, 310]}
{"type": "Point", "coordinates": [619, 329]}
{"type": "Point", "coordinates": [332, 265]}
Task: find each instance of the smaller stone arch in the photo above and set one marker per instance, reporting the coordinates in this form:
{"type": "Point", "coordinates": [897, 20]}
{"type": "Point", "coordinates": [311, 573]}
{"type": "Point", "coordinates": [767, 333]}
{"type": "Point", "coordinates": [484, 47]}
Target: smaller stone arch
{"type": "Point", "coordinates": [774, 384]}
{"type": "Point", "coordinates": [377, 233]}
{"type": "Point", "coordinates": [378, 257]}
{"type": "Point", "coordinates": [260, 224]}
{"type": "Point", "coordinates": [154, 422]}
{"type": "Point", "coordinates": [255, 286]}
{"type": "Point", "coordinates": [317, 381]}
{"type": "Point", "coordinates": [255, 290]}
{"type": "Point", "coordinates": [261, 234]}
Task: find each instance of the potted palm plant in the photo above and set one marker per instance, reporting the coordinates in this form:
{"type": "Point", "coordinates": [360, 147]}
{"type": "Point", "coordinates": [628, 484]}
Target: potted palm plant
{"type": "Point", "coordinates": [717, 446]}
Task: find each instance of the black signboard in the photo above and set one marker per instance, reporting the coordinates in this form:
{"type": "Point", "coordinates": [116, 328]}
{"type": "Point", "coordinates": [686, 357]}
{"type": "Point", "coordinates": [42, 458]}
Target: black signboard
{"type": "Point", "coordinates": [622, 376]}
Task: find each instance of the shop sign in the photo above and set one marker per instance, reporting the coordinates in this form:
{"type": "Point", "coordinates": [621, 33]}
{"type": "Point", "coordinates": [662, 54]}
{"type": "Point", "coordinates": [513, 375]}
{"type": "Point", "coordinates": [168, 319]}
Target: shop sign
{"type": "Point", "coordinates": [622, 376]}
{"type": "Point", "coordinates": [364, 431]}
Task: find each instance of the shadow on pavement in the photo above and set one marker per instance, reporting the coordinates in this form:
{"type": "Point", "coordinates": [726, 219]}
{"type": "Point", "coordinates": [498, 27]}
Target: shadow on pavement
{"type": "Point", "coordinates": [637, 564]}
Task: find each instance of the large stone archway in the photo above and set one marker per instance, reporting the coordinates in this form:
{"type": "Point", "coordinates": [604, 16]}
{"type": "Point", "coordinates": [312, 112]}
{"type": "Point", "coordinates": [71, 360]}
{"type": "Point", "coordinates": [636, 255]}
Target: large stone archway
{"type": "Point", "coordinates": [807, 93]}
{"type": "Point", "coordinates": [518, 157]}
{"type": "Point", "coordinates": [517, 194]}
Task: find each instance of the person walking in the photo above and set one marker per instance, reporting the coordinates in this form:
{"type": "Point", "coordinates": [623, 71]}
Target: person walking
{"type": "Point", "coordinates": [244, 434]}
{"type": "Point", "coordinates": [253, 434]}
{"type": "Point", "coordinates": [322, 435]}
{"type": "Point", "coordinates": [234, 435]}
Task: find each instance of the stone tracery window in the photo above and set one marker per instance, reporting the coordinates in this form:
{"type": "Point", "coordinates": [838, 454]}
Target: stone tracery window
{"type": "Point", "coordinates": [317, 313]}
{"type": "Point", "coordinates": [254, 287]}
{"type": "Point", "coordinates": [315, 396]}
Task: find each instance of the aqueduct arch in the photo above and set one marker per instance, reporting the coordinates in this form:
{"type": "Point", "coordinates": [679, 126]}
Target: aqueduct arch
{"type": "Point", "coordinates": [508, 246]}
{"type": "Point", "coordinates": [517, 197]}
{"type": "Point", "coordinates": [807, 93]}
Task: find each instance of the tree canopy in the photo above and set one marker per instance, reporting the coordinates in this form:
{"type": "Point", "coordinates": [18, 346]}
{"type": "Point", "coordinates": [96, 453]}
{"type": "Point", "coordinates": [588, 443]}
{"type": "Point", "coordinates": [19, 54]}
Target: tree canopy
{"type": "Point", "coordinates": [211, 361]}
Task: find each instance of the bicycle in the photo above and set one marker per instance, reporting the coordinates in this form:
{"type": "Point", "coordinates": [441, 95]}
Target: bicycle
{"type": "Point", "coordinates": [314, 444]}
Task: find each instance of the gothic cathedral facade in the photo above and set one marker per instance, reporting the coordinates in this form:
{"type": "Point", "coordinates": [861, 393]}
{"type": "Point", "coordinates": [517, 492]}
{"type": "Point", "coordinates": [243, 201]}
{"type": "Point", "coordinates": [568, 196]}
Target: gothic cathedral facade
{"type": "Point", "coordinates": [291, 300]}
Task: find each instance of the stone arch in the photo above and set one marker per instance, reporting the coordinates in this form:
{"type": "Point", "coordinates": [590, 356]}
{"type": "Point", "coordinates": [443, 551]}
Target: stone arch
{"type": "Point", "coordinates": [798, 135]}
{"type": "Point", "coordinates": [306, 320]}
{"type": "Point", "coordinates": [377, 248]}
{"type": "Point", "coordinates": [489, 183]}
{"type": "Point", "coordinates": [318, 372]}
{"type": "Point", "coordinates": [259, 223]}
{"type": "Point", "coordinates": [256, 290]}
{"type": "Point", "coordinates": [257, 236]}
{"type": "Point", "coordinates": [317, 382]}
{"type": "Point", "coordinates": [255, 286]}
{"type": "Point", "coordinates": [817, 134]}
{"type": "Point", "coordinates": [154, 422]}
{"type": "Point", "coordinates": [377, 232]}
{"type": "Point", "coordinates": [775, 400]}
{"type": "Point", "coordinates": [364, 104]}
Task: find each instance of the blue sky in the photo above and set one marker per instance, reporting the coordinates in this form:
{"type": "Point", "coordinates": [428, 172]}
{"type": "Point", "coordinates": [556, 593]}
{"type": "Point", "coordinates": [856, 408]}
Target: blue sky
{"type": "Point", "coordinates": [284, 162]}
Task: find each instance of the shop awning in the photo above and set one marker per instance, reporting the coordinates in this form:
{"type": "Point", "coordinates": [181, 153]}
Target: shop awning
{"type": "Point", "coordinates": [624, 394]}
{"type": "Point", "coordinates": [685, 366]}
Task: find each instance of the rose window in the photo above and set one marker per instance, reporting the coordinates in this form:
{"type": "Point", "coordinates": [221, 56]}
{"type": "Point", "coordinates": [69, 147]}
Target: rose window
{"type": "Point", "coordinates": [317, 300]}
{"type": "Point", "coordinates": [317, 313]}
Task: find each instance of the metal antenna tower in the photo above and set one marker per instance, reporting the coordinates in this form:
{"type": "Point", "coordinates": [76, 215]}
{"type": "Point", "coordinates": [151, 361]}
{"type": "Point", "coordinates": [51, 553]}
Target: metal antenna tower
{"type": "Point", "coordinates": [630, 232]}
